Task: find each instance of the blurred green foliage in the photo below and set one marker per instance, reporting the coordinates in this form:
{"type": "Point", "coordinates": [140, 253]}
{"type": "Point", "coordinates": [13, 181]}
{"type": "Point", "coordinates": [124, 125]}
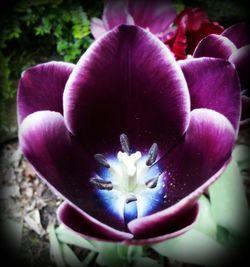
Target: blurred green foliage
{"type": "Point", "coordinates": [227, 12]}
{"type": "Point", "coordinates": [37, 31]}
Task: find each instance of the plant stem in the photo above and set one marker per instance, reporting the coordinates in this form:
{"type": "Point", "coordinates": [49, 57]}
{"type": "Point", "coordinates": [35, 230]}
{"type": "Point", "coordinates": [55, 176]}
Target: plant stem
{"type": "Point", "coordinates": [89, 258]}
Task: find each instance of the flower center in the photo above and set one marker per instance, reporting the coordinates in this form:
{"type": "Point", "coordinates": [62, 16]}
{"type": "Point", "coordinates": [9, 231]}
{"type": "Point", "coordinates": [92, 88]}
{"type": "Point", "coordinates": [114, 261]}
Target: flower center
{"type": "Point", "coordinates": [127, 180]}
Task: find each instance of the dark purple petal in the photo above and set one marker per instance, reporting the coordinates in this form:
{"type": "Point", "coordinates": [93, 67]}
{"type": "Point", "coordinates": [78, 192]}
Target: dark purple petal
{"type": "Point", "coordinates": [241, 60]}
{"type": "Point", "coordinates": [87, 226]}
{"type": "Point", "coordinates": [41, 88]}
{"type": "Point", "coordinates": [63, 164]}
{"type": "Point", "coordinates": [213, 84]}
{"type": "Point", "coordinates": [205, 149]}
{"type": "Point", "coordinates": [191, 167]}
{"type": "Point", "coordinates": [116, 13]}
{"type": "Point", "coordinates": [239, 34]}
{"type": "Point", "coordinates": [127, 82]}
{"type": "Point", "coordinates": [155, 15]}
{"type": "Point", "coordinates": [173, 226]}
{"type": "Point", "coordinates": [97, 28]}
{"type": "Point", "coordinates": [215, 46]}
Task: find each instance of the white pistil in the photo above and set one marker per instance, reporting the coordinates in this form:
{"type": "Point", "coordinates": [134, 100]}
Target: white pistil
{"type": "Point", "coordinates": [129, 169]}
{"type": "Point", "coordinates": [129, 161]}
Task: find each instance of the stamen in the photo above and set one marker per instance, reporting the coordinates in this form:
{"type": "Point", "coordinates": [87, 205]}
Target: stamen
{"type": "Point", "coordinates": [102, 160]}
{"type": "Point", "coordinates": [130, 211]}
{"type": "Point", "coordinates": [124, 143]}
{"type": "Point", "coordinates": [101, 184]}
{"type": "Point", "coordinates": [130, 198]}
{"type": "Point", "coordinates": [152, 154]}
{"type": "Point", "coordinates": [152, 183]}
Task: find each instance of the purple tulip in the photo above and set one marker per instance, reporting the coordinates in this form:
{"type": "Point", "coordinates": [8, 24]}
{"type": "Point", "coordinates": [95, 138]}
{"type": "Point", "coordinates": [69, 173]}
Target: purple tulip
{"type": "Point", "coordinates": [234, 45]}
{"type": "Point", "coordinates": [156, 16]}
{"type": "Point", "coordinates": [129, 137]}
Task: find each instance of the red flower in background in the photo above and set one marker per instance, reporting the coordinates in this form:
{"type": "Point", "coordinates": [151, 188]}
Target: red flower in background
{"type": "Point", "coordinates": [192, 25]}
{"type": "Point", "coordinates": [181, 34]}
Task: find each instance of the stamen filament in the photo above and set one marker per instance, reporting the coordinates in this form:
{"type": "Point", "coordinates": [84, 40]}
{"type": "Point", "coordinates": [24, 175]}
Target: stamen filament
{"type": "Point", "coordinates": [101, 184]}
{"type": "Point", "coordinates": [130, 211]}
{"type": "Point", "coordinates": [116, 174]}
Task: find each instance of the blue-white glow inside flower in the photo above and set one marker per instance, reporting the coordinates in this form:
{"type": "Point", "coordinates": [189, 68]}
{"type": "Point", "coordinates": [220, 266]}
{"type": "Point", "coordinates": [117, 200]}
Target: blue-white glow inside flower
{"type": "Point", "coordinates": [137, 188]}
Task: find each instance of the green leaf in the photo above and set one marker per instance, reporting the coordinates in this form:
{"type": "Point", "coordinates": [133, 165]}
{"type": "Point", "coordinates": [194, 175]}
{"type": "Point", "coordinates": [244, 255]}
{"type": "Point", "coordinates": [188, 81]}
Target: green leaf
{"type": "Point", "coordinates": [134, 252]}
{"type": "Point", "coordinates": [205, 222]}
{"type": "Point", "coordinates": [241, 154]}
{"type": "Point", "coordinates": [88, 259]}
{"type": "Point", "coordinates": [61, 45]}
{"type": "Point", "coordinates": [223, 236]}
{"type": "Point", "coordinates": [39, 30]}
{"type": "Point", "coordinates": [58, 31]}
{"type": "Point", "coordinates": [129, 253]}
{"type": "Point", "coordinates": [192, 247]}
{"type": "Point", "coordinates": [55, 247]}
{"type": "Point", "coordinates": [122, 251]}
{"type": "Point", "coordinates": [145, 262]}
{"type": "Point", "coordinates": [108, 255]}
{"type": "Point", "coordinates": [70, 257]}
{"type": "Point", "coordinates": [80, 21]}
{"type": "Point", "coordinates": [229, 203]}
{"type": "Point", "coordinates": [66, 16]}
{"type": "Point", "coordinates": [69, 237]}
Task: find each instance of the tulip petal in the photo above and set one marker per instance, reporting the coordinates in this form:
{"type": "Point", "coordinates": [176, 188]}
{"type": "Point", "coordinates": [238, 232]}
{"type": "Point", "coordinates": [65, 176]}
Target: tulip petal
{"type": "Point", "coordinates": [239, 34]}
{"type": "Point", "coordinates": [97, 28]}
{"type": "Point", "coordinates": [241, 60]}
{"type": "Point", "coordinates": [215, 46]}
{"type": "Point", "coordinates": [204, 150]}
{"type": "Point", "coordinates": [41, 88]}
{"type": "Point", "coordinates": [194, 37]}
{"type": "Point", "coordinates": [115, 13]}
{"type": "Point", "coordinates": [63, 164]}
{"type": "Point", "coordinates": [78, 222]}
{"type": "Point", "coordinates": [88, 227]}
{"type": "Point", "coordinates": [201, 156]}
{"type": "Point", "coordinates": [127, 82]}
{"type": "Point", "coordinates": [155, 15]}
{"type": "Point", "coordinates": [196, 26]}
{"type": "Point", "coordinates": [213, 84]}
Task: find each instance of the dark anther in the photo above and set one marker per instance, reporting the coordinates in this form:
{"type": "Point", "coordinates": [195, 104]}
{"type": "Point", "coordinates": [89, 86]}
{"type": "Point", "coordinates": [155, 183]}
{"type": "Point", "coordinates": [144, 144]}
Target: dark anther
{"type": "Point", "coordinates": [124, 143]}
{"type": "Point", "coordinates": [101, 184]}
{"type": "Point", "coordinates": [152, 154]}
{"type": "Point", "coordinates": [130, 198]}
{"type": "Point", "coordinates": [102, 160]}
{"type": "Point", "coordinates": [152, 183]}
